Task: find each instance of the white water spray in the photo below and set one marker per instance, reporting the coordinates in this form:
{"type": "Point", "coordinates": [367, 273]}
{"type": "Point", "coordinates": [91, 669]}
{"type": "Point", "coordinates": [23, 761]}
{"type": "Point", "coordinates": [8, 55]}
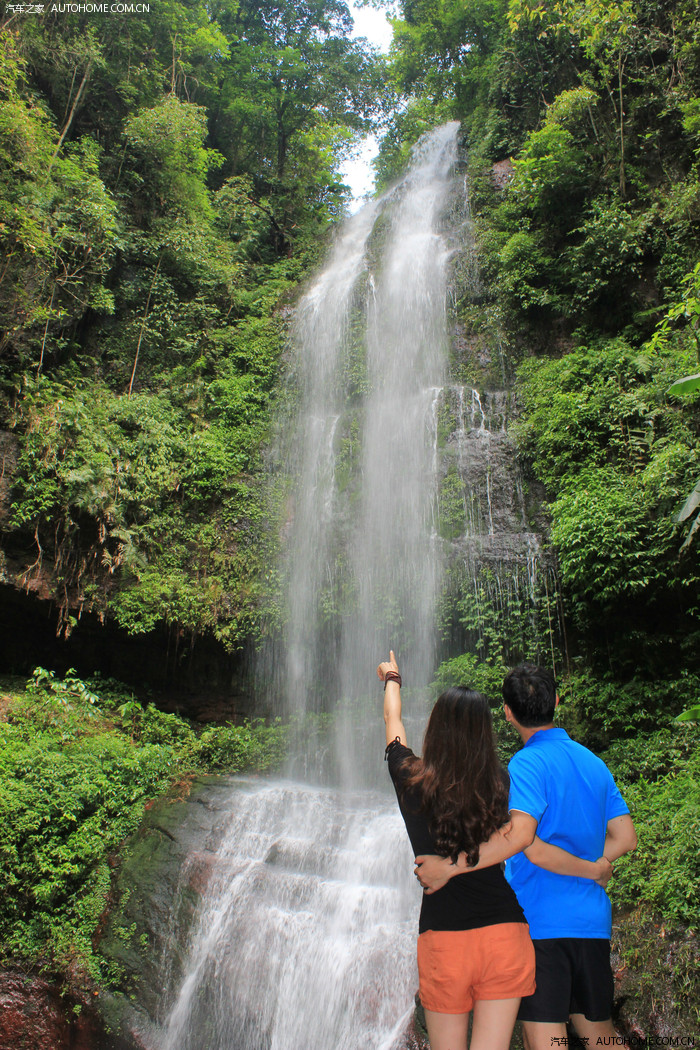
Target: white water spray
{"type": "Point", "coordinates": [306, 940]}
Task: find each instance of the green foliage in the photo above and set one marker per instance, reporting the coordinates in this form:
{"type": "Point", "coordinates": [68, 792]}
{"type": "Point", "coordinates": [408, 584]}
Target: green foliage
{"type": "Point", "coordinates": [618, 457]}
{"type": "Point", "coordinates": [69, 800]}
{"type": "Point", "coordinates": [608, 260]}
{"type": "Point", "coordinates": [608, 548]}
{"type": "Point", "coordinates": [596, 406]}
{"type": "Point", "coordinates": [603, 711]}
{"type": "Point", "coordinates": [169, 137]}
{"type": "Point", "coordinates": [469, 671]}
{"type": "Point", "coordinates": [106, 475]}
{"type": "Point", "coordinates": [143, 286]}
{"type": "Point", "coordinates": [691, 715]}
{"type": "Point", "coordinates": [688, 309]}
{"type": "Point", "coordinates": [59, 227]}
{"type": "Point", "coordinates": [65, 691]}
{"type": "Point", "coordinates": [75, 783]}
{"type": "Point", "coordinates": [253, 745]}
{"type": "Point", "coordinates": [664, 871]}
{"type": "Point", "coordinates": [547, 174]}
{"type": "Point", "coordinates": [648, 758]}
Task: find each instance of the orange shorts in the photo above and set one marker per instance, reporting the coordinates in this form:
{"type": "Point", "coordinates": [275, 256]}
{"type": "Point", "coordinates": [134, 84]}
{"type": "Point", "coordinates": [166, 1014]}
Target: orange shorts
{"type": "Point", "coordinates": [457, 968]}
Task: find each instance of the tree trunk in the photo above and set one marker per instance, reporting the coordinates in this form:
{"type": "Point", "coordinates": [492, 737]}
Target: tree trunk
{"type": "Point", "coordinates": [623, 180]}
{"type": "Point", "coordinates": [143, 327]}
{"type": "Point", "coordinates": [83, 83]}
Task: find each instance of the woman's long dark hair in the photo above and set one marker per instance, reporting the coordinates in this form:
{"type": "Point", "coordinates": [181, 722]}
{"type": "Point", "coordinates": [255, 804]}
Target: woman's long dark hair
{"type": "Point", "coordinates": [459, 779]}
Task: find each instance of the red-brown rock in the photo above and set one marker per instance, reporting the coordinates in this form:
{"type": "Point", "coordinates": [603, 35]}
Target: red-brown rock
{"type": "Point", "coordinates": [35, 1016]}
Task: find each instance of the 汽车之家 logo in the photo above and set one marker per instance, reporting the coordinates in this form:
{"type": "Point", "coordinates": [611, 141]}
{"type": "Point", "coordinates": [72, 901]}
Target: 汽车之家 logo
{"type": "Point", "coordinates": [80, 8]}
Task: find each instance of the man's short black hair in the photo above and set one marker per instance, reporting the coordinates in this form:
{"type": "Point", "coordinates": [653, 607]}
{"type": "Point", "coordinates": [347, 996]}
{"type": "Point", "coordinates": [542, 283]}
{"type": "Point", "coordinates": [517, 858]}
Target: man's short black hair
{"type": "Point", "coordinates": [531, 694]}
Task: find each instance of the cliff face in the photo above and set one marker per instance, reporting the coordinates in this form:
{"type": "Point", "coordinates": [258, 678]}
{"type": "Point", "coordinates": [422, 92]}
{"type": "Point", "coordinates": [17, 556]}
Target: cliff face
{"type": "Point", "coordinates": [199, 680]}
{"type": "Point", "coordinates": [192, 675]}
{"type": "Point", "coordinates": [36, 1015]}
{"type": "Point", "coordinates": [154, 896]}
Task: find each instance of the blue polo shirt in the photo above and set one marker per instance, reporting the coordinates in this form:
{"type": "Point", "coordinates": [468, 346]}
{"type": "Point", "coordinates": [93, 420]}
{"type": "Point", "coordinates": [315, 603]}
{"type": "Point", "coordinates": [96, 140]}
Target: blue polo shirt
{"type": "Point", "coordinates": [572, 796]}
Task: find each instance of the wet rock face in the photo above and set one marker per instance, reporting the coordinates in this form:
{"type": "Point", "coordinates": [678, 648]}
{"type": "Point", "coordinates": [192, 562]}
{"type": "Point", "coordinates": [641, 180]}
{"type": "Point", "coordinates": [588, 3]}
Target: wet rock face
{"type": "Point", "coordinates": [34, 1016]}
{"type": "Point", "coordinates": [156, 894]}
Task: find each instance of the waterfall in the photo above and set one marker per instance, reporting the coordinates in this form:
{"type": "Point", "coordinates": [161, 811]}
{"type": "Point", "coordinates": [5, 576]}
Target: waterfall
{"type": "Point", "coordinates": [363, 565]}
{"type": "Point", "coordinates": [306, 936]}
{"type": "Point", "coordinates": [305, 939]}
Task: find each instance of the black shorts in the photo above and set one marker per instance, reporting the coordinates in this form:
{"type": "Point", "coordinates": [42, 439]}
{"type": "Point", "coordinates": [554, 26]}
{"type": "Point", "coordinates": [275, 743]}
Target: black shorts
{"type": "Point", "coordinates": [573, 976]}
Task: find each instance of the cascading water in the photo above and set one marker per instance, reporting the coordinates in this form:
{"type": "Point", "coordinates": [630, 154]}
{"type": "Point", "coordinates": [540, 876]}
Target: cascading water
{"type": "Point", "coordinates": [371, 338]}
{"type": "Point", "coordinates": [306, 937]}
{"type": "Point", "coordinates": [306, 940]}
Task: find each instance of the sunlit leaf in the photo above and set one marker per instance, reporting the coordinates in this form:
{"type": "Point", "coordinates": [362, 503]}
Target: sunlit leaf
{"type": "Point", "coordinates": [691, 715]}
{"type": "Point", "coordinates": [691, 504]}
{"type": "Point", "coordinates": [686, 385]}
{"type": "Point", "coordinates": [691, 534]}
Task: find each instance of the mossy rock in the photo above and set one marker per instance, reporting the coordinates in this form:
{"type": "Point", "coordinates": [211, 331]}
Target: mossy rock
{"type": "Point", "coordinates": [155, 895]}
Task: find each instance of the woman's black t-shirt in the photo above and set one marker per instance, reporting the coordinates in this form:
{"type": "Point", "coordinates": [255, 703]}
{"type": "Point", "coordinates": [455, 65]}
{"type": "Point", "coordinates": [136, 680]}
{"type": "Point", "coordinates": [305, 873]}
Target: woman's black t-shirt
{"type": "Point", "coordinates": [466, 902]}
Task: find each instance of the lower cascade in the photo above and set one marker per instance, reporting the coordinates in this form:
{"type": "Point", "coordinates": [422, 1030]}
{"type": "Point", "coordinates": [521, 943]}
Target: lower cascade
{"type": "Point", "coordinates": [306, 934]}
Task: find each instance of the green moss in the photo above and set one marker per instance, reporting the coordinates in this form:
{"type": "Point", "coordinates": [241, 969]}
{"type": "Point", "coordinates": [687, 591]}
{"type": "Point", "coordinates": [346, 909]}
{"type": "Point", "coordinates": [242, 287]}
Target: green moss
{"type": "Point", "coordinates": [452, 521]}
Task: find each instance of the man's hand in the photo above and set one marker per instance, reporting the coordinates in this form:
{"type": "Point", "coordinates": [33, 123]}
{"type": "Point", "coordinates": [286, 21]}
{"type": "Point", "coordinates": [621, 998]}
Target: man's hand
{"type": "Point", "coordinates": [605, 871]}
{"type": "Point", "coordinates": [434, 872]}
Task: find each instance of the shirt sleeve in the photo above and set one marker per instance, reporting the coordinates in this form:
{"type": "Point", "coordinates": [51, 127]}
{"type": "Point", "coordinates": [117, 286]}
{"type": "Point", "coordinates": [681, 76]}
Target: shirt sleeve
{"type": "Point", "coordinates": [395, 754]}
{"type": "Point", "coordinates": [527, 788]}
{"type": "Point", "coordinates": [615, 805]}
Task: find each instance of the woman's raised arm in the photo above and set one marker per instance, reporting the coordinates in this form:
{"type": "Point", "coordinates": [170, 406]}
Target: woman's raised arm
{"type": "Point", "coordinates": [388, 673]}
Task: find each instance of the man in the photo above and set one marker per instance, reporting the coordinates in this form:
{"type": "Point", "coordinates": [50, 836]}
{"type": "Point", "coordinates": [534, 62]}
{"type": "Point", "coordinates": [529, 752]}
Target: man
{"type": "Point", "coordinates": [564, 793]}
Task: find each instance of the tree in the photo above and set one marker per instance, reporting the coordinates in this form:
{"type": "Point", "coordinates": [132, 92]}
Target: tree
{"type": "Point", "coordinates": [292, 69]}
{"type": "Point", "coordinates": [58, 221]}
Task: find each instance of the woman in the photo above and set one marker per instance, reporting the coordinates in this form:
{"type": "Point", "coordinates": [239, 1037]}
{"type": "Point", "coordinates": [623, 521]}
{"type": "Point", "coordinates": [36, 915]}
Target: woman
{"type": "Point", "coordinates": [474, 947]}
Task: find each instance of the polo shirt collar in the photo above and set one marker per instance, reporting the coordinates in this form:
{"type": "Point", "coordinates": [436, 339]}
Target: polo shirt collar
{"type": "Point", "coordinates": [546, 735]}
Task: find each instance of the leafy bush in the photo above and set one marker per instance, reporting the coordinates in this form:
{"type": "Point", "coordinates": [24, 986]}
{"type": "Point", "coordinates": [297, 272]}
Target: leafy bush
{"type": "Point", "coordinates": [609, 545]}
{"type": "Point", "coordinates": [598, 709]}
{"type": "Point", "coordinates": [468, 670]}
{"type": "Point", "coordinates": [75, 784]}
{"type": "Point", "coordinates": [65, 806]}
{"type": "Point", "coordinates": [71, 688]}
{"type": "Point", "coordinates": [618, 459]}
{"type": "Point", "coordinates": [608, 261]}
{"type": "Point", "coordinates": [664, 871]}
{"type": "Point", "coordinates": [650, 758]}
{"type": "Point", "coordinates": [253, 745]}
{"type": "Point", "coordinates": [599, 405]}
